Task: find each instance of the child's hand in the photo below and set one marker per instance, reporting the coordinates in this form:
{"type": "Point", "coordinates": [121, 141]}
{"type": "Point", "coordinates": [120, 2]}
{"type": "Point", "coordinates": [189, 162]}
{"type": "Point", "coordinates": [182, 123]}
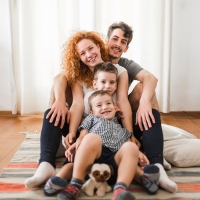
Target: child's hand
{"type": "Point", "coordinates": [119, 113]}
{"type": "Point", "coordinates": [143, 160]}
{"type": "Point", "coordinates": [70, 152]}
{"type": "Point", "coordinates": [70, 139]}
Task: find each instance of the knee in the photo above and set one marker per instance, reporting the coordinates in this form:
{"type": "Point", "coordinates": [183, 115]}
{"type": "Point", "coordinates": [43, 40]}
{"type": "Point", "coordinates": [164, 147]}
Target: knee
{"type": "Point", "coordinates": [46, 112]}
{"type": "Point", "coordinates": [92, 140]}
{"type": "Point", "coordinates": [130, 148]}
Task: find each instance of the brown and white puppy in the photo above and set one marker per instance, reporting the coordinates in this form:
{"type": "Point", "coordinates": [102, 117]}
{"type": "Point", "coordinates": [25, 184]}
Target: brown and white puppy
{"type": "Point", "coordinates": [99, 174]}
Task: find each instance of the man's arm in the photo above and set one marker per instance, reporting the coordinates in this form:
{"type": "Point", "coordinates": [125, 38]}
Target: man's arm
{"type": "Point", "coordinates": [144, 113]}
{"type": "Point", "coordinates": [58, 101]}
{"type": "Point", "coordinates": [142, 98]}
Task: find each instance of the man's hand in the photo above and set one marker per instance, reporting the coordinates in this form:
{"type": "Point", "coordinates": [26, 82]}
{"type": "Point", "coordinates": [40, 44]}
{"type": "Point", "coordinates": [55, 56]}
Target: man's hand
{"type": "Point", "coordinates": [70, 139]}
{"type": "Point", "coordinates": [144, 115]}
{"type": "Point", "coordinates": [143, 160]}
{"type": "Point", "coordinates": [59, 111]}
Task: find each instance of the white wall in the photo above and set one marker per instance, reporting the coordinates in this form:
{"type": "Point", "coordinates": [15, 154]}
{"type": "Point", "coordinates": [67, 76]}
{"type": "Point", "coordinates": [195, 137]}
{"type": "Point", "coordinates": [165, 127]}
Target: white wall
{"type": "Point", "coordinates": [185, 58]}
{"type": "Point", "coordinates": [185, 62]}
{"type": "Point", "coordinates": [5, 56]}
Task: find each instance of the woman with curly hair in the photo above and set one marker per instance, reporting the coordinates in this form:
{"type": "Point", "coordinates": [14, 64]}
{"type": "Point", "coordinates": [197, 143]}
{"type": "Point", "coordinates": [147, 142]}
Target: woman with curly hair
{"type": "Point", "coordinates": [82, 52]}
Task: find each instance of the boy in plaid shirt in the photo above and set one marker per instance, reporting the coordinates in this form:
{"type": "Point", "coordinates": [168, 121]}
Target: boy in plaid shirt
{"type": "Point", "coordinates": [107, 143]}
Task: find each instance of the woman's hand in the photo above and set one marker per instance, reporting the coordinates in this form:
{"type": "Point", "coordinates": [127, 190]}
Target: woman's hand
{"type": "Point", "coordinates": [59, 111]}
{"type": "Point", "coordinates": [143, 160]}
{"type": "Point", "coordinates": [70, 139]}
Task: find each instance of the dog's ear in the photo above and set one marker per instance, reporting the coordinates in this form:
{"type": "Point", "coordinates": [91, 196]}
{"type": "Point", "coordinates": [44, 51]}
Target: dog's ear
{"type": "Point", "coordinates": [88, 170]}
{"type": "Point", "coordinates": [111, 169]}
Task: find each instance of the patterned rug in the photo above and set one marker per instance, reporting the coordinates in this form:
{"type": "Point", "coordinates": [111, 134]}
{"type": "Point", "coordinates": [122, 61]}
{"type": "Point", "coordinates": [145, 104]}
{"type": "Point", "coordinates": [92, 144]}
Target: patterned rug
{"type": "Point", "coordinates": [24, 164]}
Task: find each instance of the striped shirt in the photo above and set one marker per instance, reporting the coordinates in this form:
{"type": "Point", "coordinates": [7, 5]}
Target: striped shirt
{"type": "Point", "coordinates": [112, 134]}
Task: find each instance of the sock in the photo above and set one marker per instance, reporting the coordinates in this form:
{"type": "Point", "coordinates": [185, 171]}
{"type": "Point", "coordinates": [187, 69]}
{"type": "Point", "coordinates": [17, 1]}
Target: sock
{"type": "Point", "coordinates": [166, 164]}
{"type": "Point", "coordinates": [150, 178]}
{"type": "Point", "coordinates": [165, 182]}
{"type": "Point", "coordinates": [72, 191]}
{"type": "Point", "coordinates": [54, 185]}
{"type": "Point", "coordinates": [121, 193]}
{"type": "Point", "coordinates": [42, 174]}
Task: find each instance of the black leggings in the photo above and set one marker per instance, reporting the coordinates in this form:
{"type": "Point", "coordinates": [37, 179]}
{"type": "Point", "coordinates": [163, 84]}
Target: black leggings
{"type": "Point", "coordinates": [50, 139]}
{"type": "Point", "coordinates": [152, 139]}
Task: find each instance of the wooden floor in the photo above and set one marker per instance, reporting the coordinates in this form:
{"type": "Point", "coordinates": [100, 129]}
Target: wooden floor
{"type": "Point", "coordinates": [12, 125]}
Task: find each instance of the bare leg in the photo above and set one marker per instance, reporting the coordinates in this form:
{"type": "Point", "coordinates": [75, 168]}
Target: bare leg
{"type": "Point", "coordinates": [125, 158]}
{"type": "Point", "coordinates": [89, 150]}
{"type": "Point", "coordinates": [66, 171]}
{"type": "Point", "coordinates": [86, 154]}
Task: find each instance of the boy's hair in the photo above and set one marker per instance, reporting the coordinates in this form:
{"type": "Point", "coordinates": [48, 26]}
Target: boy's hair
{"type": "Point", "coordinates": [98, 93]}
{"type": "Point", "coordinates": [105, 67]}
{"type": "Point", "coordinates": [128, 32]}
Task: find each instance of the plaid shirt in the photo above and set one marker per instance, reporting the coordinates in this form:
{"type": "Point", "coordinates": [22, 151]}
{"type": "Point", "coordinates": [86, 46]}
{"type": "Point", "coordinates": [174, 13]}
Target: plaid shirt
{"type": "Point", "coordinates": [111, 133]}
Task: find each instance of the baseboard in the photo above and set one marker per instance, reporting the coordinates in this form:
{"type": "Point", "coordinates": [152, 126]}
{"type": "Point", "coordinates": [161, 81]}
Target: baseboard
{"type": "Point", "coordinates": [5, 112]}
{"type": "Point", "coordinates": [187, 114]}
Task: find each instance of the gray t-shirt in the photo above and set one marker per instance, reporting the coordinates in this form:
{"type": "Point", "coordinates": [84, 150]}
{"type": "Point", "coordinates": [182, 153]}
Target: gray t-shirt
{"type": "Point", "coordinates": [132, 68]}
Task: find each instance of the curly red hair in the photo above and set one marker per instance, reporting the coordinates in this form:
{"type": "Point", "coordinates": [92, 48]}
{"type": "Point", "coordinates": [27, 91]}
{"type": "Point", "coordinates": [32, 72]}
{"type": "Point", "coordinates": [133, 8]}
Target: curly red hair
{"type": "Point", "coordinates": [73, 68]}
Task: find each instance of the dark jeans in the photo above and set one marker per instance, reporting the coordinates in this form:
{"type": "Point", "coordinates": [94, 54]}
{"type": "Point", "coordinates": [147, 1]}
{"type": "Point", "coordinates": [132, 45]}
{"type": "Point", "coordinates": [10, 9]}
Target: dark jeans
{"type": "Point", "coordinates": [50, 139]}
{"type": "Point", "coordinates": [152, 139]}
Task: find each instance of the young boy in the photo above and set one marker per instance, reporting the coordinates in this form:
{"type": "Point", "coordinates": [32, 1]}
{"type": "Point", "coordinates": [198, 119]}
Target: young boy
{"type": "Point", "coordinates": [105, 77]}
{"type": "Point", "coordinates": [107, 143]}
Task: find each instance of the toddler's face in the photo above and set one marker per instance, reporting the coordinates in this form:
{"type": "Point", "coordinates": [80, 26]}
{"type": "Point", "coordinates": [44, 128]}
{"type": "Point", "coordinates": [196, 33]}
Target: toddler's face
{"type": "Point", "coordinates": [106, 81]}
{"type": "Point", "coordinates": [102, 106]}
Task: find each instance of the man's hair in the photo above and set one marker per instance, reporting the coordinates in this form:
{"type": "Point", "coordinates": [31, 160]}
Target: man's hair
{"type": "Point", "coordinates": [105, 67]}
{"type": "Point", "coordinates": [128, 32]}
{"type": "Point", "coordinates": [98, 93]}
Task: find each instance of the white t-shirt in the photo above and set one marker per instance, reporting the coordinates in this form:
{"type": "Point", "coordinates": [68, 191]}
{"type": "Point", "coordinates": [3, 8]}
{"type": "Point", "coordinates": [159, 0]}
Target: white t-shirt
{"type": "Point", "coordinates": [88, 91]}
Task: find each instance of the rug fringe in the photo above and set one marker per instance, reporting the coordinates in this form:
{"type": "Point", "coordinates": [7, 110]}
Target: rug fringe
{"type": "Point", "coordinates": [27, 132]}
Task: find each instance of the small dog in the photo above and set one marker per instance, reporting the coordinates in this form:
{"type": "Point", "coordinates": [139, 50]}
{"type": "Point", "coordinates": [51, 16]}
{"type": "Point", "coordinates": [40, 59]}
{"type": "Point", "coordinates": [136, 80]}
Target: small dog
{"type": "Point", "coordinates": [99, 174]}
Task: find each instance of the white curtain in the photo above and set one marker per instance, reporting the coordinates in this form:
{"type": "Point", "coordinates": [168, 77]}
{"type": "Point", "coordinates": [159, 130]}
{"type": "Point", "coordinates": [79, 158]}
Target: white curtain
{"type": "Point", "coordinates": [40, 27]}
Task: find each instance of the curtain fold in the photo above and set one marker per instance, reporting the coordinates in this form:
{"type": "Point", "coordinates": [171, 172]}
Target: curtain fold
{"type": "Point", "coordinates": [40, 27]}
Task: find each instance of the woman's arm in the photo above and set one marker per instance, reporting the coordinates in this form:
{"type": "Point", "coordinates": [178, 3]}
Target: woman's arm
{"type": "Point", "coordinates": [58, 101]}
{"type": "Point", "coordinates": [76, 112]}
{"type": "Point", "coordinates": [122, 101]}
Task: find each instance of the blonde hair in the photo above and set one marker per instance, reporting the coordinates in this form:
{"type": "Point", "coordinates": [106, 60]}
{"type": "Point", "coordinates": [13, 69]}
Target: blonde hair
{"type": "Point", "coordinates": [73, 68]}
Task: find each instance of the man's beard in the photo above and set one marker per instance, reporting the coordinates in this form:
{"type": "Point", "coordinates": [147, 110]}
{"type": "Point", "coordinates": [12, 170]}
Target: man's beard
{"type": "Point", "coordinates": [113, 57]}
